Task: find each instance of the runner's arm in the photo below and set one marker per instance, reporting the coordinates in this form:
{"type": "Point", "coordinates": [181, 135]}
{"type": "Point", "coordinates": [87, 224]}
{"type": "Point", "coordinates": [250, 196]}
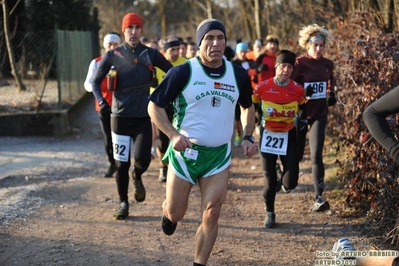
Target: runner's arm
{"type": "Point", "coordinates": [375, 119]}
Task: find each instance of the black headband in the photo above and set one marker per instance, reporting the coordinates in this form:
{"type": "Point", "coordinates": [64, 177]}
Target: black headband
{"type": "Point", "coordinates": [167, 45]}
{"type": "Point", "coordinates": [285, 56]}
{"type": "Point", "coordinates": [272, 40]}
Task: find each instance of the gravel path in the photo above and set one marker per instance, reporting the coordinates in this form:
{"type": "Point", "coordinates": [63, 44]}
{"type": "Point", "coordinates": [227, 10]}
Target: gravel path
{"type": "Point", "coordinates": [56, 209]}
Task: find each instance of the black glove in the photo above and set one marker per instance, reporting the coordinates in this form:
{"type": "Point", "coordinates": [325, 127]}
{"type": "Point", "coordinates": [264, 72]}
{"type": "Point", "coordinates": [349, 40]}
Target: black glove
{"type": "Point", "coordinates": [105, 109]}
{"type": "Point", "coordinates": [303, 124]}
{"type": "Point", "coordinates": [261, 68]}
{"type": "Point", "coordinates": [255, 79]}
{"type": "Point", "coordinates": [331, 100]}
{"type": "Point", "coordinates": [309, 91]}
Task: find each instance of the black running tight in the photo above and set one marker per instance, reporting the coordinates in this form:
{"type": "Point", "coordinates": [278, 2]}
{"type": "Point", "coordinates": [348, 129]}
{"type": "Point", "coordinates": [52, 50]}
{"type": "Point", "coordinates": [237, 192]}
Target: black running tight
{"type": "Point", "coordinates": [290, 169]}
{"type": "Point", "coordinates": [105, 123]}
{"type": "Point", "coordinates": [140, 131]}
{"type": "Point", "coordinates": [317, 135]}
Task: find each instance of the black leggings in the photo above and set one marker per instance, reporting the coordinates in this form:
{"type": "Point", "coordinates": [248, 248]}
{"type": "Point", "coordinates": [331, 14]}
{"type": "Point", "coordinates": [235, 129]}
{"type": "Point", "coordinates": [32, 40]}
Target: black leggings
{"type": "Point", "coordinates": [140, 130]}
{"type": "Point", "coordinates": [374, 117]}
{"type": "Point", "coordinates": [290, 169]}
{"type": "Point", "coordinates": [105, 123]}
{"type": "Point", "coordinates": [317, 135]}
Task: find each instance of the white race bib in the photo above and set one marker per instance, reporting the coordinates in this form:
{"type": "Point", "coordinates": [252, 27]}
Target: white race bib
{"type": "Point", "coordinates": [191, 154]}
{"type": "Point", "coordinates": [319, 89]}
{"type": "Point", "coordinates": [121, 147]}
{"type": "Point", "coordinates": [274, 142]}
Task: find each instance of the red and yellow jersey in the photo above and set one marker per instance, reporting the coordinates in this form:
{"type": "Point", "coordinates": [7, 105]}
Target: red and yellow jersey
{"type": "Point", "coordinates": [279, 104]}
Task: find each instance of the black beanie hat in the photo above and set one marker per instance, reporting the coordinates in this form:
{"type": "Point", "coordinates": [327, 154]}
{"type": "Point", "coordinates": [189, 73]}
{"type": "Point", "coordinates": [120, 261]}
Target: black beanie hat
{"type": "Point", "coordinates": [285, 56]}
{"type": "Point", "coordinates": [208, 25]}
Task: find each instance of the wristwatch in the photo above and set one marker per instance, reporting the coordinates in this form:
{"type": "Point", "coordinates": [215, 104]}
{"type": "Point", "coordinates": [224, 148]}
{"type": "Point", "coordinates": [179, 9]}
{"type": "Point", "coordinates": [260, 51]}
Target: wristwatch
{"type": "Point", "coordinates": [249, 138]}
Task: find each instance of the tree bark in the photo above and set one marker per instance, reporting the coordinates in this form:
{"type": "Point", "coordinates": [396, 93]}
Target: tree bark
{"type": "Point", "coordinates": [162, 15]}
{"type": "Point", "coordinates": [6, 19]}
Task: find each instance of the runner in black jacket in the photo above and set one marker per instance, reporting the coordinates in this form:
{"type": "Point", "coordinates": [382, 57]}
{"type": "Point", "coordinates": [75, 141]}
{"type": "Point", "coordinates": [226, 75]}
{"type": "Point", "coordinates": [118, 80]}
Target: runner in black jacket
{"type": "Point", "coordinates": [134, 63]}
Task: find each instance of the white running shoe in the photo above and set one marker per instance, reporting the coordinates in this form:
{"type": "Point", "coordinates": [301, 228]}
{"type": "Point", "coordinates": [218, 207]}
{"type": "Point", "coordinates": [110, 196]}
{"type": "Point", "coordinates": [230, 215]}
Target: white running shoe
{"type": "Point", "coordinates": [343, 244]}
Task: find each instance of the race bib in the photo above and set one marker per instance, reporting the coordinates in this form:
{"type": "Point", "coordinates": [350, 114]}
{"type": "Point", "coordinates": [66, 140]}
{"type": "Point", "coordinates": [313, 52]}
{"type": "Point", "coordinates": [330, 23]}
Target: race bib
{"type": "Point", "coordinates": [319, 89]}
{"type": "Point", "coordinates": [191, 154]}
{"type": "Point", "coordinates": [121, 147]}
{"type": "Point", "coordinates": [274, 142]}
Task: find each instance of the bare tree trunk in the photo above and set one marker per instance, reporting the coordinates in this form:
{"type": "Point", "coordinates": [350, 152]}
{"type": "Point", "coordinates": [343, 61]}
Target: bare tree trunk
{"type": "Point", "coordinates": [209, 8]}
{"type": "Point", "coordinates": [162, 15]}
{"type": "Point", "coordinates": [390, 11]}
{"type": "Point", "coordinates": [396, 14]}
{"type": "Point", "coordinates": [20, 85]}
{"type": "Point", "coordinates": [246, 21]}
{"type": "Point", "coordinates": [267, 18]}
{"type": "Point", "coordinates": [257, 21]}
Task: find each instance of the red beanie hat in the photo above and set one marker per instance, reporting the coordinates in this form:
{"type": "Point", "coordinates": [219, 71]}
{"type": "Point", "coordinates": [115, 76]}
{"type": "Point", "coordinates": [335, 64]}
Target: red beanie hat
{"type": "Point", "coordinates": [131, 19]}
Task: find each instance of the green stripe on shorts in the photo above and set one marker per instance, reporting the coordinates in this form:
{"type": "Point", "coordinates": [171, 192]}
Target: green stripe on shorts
{"type": "Point", "coordinates": [210, 161]}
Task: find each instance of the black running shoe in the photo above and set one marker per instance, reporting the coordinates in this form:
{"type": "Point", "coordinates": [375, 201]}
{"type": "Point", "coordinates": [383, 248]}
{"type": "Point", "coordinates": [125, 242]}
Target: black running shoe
{"type": "Point", "coordinates": [320, 204]}
{"type": "Point", "coordinates": [167, 226]}
{"type": "Point", "coordinates": [123, 212]}
{"type": "Point", "coordinates": [270, 220]}
{"type": "Point", "coordinates": [139, 190]}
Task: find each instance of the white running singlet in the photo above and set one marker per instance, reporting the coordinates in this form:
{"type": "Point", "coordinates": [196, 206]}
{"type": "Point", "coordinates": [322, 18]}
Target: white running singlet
{"type": "Point", "coordinates": [204, 109]}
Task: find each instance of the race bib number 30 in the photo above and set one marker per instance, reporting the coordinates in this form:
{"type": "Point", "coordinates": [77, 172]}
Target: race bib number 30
{"type": "Point", "coordinates": [274, 142]}
{"type": "Point", "coordinates": [121, 147]}
{"type": "Point", "coordinates": [319, 89]}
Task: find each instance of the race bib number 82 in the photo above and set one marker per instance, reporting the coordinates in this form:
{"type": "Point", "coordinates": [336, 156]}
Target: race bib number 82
{"type": "Point", "coordinates": [121, 147]}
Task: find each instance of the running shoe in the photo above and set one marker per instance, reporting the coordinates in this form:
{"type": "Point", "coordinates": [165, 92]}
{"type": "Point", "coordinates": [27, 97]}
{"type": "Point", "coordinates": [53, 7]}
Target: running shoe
{"type": "Point", "coordinates": [139, 190]}
{"type": "Point", "coordinates": [270, 220]}
{"type": "Point", "coordinates": [343, 244]}
{"type": "Point", "coordinates": [123, 212]}
{"type": "Point", "coordinates": [168, 227]}
{"type": "Point", "coordinates": [320, 204]}
{"type": "Point", "coordinates": [285, 190]}
{"type": "Point", "coordinates": [111, 170]}
{"type": "Point", "coordinates": [162, 174]}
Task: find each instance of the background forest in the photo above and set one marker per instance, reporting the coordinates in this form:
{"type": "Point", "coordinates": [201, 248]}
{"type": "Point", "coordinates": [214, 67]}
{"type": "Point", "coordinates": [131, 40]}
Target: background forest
{"type": "Point", "coordinates": [365, 52]}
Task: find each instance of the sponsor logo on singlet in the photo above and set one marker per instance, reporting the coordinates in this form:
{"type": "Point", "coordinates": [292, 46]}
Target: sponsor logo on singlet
{"type": "Point", "coordinates": [199, 82]}
{"type": "Point", "coordinates": [223, 86]}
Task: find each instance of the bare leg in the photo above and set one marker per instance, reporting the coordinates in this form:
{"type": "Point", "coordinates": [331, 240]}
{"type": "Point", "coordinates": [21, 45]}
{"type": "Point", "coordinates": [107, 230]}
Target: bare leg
{"type": "Point", "coordinates": [177, 192]}
{"type": "Point", "coordinates": [213, 194]}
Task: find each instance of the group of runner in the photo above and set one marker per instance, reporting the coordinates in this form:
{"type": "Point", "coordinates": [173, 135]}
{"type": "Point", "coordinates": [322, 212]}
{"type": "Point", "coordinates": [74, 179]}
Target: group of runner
{"type": "Point", "coordinates": [194, 106]}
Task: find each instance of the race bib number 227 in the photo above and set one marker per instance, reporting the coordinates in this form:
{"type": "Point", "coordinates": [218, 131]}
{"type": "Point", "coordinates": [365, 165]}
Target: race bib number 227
{"type": "Point", "coordinates": [274, 142]}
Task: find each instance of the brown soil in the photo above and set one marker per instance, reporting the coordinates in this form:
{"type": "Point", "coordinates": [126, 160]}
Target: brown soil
{"type": "Point", "coordinates": [65, 216]}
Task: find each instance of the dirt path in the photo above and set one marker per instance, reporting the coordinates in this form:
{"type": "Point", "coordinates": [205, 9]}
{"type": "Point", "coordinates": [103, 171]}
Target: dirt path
{"type": "Point", "coordinates": [59, 213]}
